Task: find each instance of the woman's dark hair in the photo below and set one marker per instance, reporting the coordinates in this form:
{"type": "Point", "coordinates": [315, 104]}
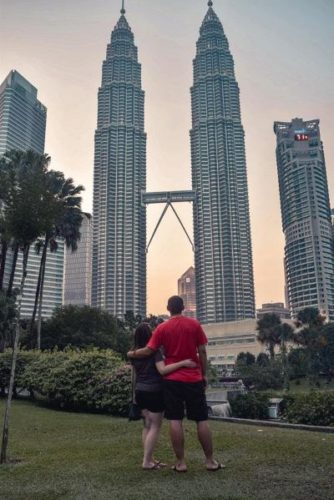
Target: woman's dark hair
{"type": "Point", "coordinates": [143, 334]}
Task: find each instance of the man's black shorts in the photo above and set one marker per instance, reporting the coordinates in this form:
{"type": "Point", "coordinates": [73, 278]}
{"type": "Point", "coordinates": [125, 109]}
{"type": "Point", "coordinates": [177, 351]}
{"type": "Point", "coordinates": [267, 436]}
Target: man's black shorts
{"type": "Point", "coordinates": [151, 401]}
{"type": "Point", "coordinates": [185, 394]}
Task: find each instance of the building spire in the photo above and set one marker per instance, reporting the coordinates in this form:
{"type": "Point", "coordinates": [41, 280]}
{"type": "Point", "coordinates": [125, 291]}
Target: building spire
{"type": "Point", "coordinates": [122, 9]}
{"type": "Point", "coordinates": [210, 3]}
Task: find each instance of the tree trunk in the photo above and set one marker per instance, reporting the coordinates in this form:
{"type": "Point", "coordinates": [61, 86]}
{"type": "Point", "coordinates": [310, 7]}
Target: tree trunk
{"type": "Point", "coordinates": [40, 304]}
{"type": "Point", "coordinates": [39, 282]}
{"type": "Point", "coordinates": [4, 247]}
{"type": "Point", "coordinates": [12, 272]}
{"type": "Point", "coordinates": [272, 351]}
{"type": "Point", "coordinates": [5, 433]}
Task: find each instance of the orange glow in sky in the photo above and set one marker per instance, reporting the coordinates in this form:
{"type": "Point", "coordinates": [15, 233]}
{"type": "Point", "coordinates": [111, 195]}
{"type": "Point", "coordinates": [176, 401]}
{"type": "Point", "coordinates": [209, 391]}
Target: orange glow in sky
{"type": "Point", "coordinates": [284, 63]}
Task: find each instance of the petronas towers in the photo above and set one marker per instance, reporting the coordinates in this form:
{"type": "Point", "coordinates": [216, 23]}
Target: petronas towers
{"type": "Point", "coordinates": [119, 219]}
{"type": "Point", "coordinates": [223, 255]}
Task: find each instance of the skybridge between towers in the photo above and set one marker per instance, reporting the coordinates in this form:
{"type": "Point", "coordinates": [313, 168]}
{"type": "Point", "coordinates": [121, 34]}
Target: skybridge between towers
{"type": "Point", "coordinates": [168, 197]}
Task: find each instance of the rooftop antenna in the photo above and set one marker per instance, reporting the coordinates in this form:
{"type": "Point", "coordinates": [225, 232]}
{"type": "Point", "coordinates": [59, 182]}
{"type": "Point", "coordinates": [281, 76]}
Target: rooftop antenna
{"type": "Point", "coordinates": [122, 9]}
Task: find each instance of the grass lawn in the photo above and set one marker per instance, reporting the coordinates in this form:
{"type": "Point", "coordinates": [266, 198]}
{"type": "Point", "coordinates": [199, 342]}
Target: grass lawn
{"type": "Point", "coordinates": [83, 456]}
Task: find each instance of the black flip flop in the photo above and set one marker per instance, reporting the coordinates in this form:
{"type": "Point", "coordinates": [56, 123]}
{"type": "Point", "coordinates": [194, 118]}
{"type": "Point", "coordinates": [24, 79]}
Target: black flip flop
{"type": "Point", "coordinates": [174, 468]}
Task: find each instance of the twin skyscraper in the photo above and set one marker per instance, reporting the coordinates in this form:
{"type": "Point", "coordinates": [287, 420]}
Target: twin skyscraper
{"type": "Point", "coordinates": [222, 240]}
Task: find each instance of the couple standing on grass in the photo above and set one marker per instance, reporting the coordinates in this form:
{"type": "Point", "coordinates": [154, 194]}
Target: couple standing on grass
{"type": "Point", "coordinates": [183, 369]}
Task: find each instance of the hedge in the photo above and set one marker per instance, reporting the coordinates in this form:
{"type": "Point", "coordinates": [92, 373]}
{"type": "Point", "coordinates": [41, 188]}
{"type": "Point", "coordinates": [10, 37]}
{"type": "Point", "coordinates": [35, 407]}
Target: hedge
{"type": "Point", "coordinates": [314, 408]}
{"type": "Point", "coordinates": [252, 405]}
{"type": "Point", "coordinates": [92, 380]}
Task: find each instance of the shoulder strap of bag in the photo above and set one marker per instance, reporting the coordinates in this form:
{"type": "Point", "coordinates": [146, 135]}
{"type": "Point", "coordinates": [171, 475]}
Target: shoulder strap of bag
{"type": "Point", "coordinates": [133, 382]}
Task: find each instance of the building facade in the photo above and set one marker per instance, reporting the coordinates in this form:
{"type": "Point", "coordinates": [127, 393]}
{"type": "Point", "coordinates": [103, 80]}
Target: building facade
{"type": "Point", "coordinates": [119, 219]}
{"type": "Point", "coordinates": [227, 340]}
{"type": "Point", "coordinates": [22, 127]}
{"type": "Point", "coordinates": [22, 115]}
{"type": "Point", "coordinates": [53, 280]}
{"type": "Point", "coordinates": [306, 216]}
{"type": "Point", "coordinates": [186, 288]}
{"type": "Point", "coordinates": [223, 253]}
{"type": "Point", "coordinates": [277, 308]}
{"type": "Point", "coordinates": [78, 267]}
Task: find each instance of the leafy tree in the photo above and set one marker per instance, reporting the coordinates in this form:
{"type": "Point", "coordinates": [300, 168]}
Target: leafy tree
{"type": "Point", "coordinates": [326, 352]}
{"type": "Point", "coordinates": [245, 358]}
{"type": "Point", "coordinates": [7, 319]}
{"type": "Point", "coordinates": [263, 359]}
{"type": "Point", "coordinates": [131, 321]}
{"type": "Point", "coordinates": [212, 373]}
{"type": "Point", "coordinates": [27, 211]}
{"type": "Point", "coordinates": [309, 334]}
{"type": "Point", "coordinates": [82, 327]}
{"type": "Point", "coordinates": [297, 359]}
{"type": "Point", "coordinates": [262, 377]}
{"type": "Point", "coordinates": [66, 223]}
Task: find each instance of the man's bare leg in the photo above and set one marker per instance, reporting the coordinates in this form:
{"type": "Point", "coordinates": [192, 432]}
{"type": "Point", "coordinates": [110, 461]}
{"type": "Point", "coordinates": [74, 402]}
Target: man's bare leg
{"type": "Point", "coordinates": [205, 438]}
{"type": "Point", "coordinates": [177, 439]}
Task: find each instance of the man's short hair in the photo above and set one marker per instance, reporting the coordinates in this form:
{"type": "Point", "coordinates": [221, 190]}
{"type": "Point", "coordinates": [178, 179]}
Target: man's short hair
{"type": "Point", "coordinates": [175, 304]}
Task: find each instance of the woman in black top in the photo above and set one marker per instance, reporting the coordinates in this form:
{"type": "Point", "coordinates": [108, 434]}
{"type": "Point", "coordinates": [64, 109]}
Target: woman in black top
{"type": "Point", "coordinates": [149, 394]}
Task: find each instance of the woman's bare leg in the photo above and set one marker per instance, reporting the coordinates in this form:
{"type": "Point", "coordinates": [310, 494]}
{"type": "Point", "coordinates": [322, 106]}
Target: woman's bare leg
{"type": "Point", "coordinates": [155, 420]}
{"type": "Point", "coordinates": [146, 427]}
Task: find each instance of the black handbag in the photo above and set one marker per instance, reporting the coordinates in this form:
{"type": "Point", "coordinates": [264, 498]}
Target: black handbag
{"type": "Point", "coordinates": [134, 410]}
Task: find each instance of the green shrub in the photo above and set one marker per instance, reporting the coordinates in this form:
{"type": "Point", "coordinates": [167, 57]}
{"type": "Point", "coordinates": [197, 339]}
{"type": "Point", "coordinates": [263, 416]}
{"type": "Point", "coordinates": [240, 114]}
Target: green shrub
{"type": "Point", "coordinates": [24, 359]}
{"type": "Point", "coordinates": [314, 408]}
{"type": "Point", "coordinates": [252, 405]}
{"type": "Point", "coordinates": [92, 380]}
{"type": "Point", "coordinates": [262, 377]}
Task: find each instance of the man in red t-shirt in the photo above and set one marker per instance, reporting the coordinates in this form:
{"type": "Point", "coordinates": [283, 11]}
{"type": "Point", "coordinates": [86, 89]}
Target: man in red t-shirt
{"type": "Point", "coordinates": [183, 338]}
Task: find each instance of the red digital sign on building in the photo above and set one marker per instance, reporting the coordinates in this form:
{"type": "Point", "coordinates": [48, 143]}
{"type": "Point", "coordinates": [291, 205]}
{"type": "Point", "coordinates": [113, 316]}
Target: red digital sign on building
{"type": "Point", "coordinates": [301, 137]}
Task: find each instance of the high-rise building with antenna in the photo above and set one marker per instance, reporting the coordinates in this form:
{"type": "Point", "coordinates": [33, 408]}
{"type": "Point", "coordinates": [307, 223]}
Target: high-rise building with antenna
{"type": "Point", "coordinates": [223, 253]}
{"type": "Point", "coordinates": [306, 217]}
{"type": "Point", "coordinates": [119, 219]}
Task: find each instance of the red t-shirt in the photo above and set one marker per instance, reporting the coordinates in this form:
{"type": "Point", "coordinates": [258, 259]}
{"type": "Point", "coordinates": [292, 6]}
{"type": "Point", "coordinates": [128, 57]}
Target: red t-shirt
{"type": "Point", "coordinates": [180, 337]}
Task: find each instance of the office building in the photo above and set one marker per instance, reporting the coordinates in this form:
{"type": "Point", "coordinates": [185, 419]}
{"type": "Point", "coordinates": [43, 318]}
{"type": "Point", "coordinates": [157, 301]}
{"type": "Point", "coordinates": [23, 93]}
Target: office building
{"type": "Point", "coordinates": [119, 218]}
{"type": "Point", "coordinates": [306, 216]}
{"type": "Point", "coordinates": [78, 267]}
{"type": "Point", "coordinates": [22, 127]}
{"type": "Point", "coordinates": [22, 115]}
{"type": "Point", "coordinates": [222, 237]}
{"type": "Point", "coordinates": [227, 340]}
{"type": "Point", "coordinates": [53, 280]}
{"type": "Point", "coordinates": [186, 287]}
{"type": "Point", "coordinates": [277, 308]}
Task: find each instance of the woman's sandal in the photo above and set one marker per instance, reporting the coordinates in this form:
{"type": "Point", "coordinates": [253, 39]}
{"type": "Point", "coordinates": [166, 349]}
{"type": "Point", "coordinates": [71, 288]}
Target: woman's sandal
{"type": "Point", "coordinates": [153, 467]}
{"type": "Point", "coordinates": [160, 464]}
{"type": "Point", "coordinates": [214, 469]}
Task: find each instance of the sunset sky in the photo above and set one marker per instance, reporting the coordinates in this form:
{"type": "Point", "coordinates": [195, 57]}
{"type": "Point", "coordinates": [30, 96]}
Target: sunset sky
{"type": "Point", "coordinates": [284, 63]}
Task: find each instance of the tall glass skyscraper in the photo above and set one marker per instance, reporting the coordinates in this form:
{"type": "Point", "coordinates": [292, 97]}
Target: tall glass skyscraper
{"type": "Point", "coordinates": [306, 216]}
{"type": "Point", "coordinates": [22, 126]}
{"type": "Point", "coordinates": [22, 115]}
{"type": "Point", "coordinates": [223, 253]}
{"type": "Point", "coordinates": [78, 267]}
{"type": "Point", "coordinates": [119, 219]}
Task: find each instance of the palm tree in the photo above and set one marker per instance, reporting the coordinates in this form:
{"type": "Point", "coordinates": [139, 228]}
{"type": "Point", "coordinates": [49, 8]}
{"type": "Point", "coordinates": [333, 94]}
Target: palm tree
{"type": "Point", "coordinates": [66, 225]}
{"type": "Point", "coordinates": [268, 328]}
{"type": "Point", "coordinates": [27, 210]}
